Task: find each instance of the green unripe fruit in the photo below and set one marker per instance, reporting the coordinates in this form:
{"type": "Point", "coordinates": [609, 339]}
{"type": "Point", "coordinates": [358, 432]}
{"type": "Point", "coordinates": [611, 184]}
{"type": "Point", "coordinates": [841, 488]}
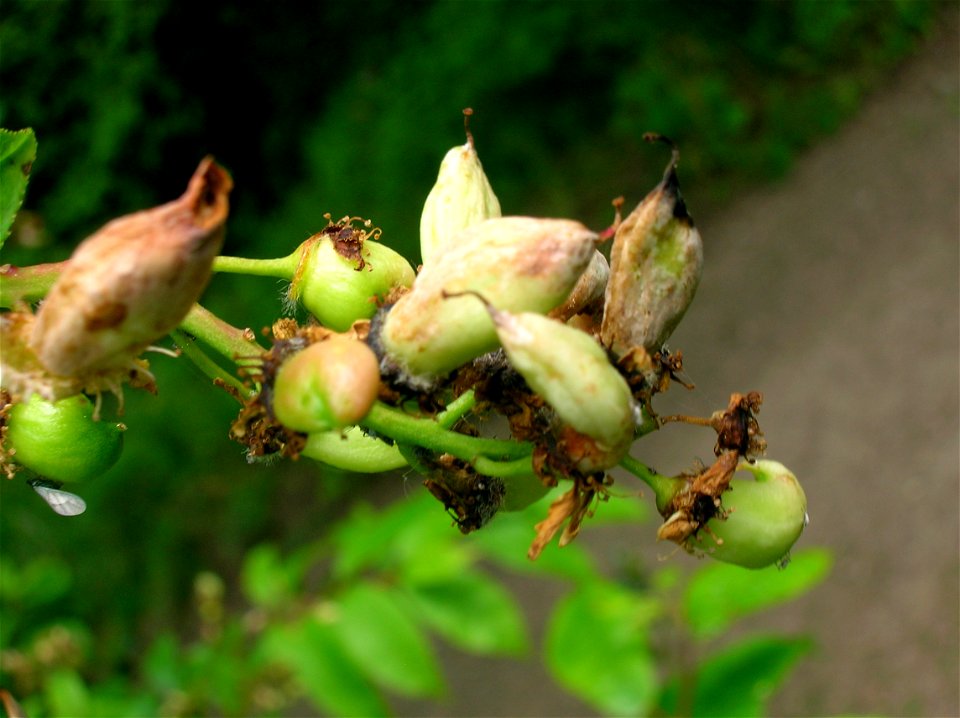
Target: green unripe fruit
{"type": "Point", "coordinates": [339, 287]}
{"type": "Point", "coordinates": [329, 385]}
{"type": "Point", "coordinates": [764, 519]}
{"type": "Point", "coordinates": [61, 440]}
{"type": "Point", "coordinates": [352, 450]}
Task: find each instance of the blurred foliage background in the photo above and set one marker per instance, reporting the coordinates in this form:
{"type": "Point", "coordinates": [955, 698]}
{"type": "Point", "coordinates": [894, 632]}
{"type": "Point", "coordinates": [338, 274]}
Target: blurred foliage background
{"type": "Point", "coordinates": [334, 107]}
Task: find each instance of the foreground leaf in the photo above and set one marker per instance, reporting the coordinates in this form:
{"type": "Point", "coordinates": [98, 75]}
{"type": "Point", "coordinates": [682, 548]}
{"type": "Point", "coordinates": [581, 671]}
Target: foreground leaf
{"type": "Point", "coordinates": [737, 682]}
{"type": "Point", "coordinates": [18, 150]}
{"type": "Point", "coordinates": [719, 594]}
{"type": "Point", "coordinates": [597, 648]}
{"type": "Point", "coordinates": [324, 671]}
{"type": "Point", "coordinates": [471, 611]}
{"type": "Point", "coordinates": [385, 642]}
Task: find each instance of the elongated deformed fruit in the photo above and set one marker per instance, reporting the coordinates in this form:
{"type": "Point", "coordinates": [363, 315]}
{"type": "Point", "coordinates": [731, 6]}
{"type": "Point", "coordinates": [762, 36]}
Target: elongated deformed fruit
{"type": "Point", "coordinates": [655, 265]}
{"type": "Point", "coordinates": [571, 371]}
{"type": "Point", "coordinates": [61, 440]}
{"type": "Point", "coordinates": [462, 196]}
{"type": "Point", "coordinates": [329, 385]}
{"type": "Point", "coordinates": [761, 520]}
{"type": "Point", "coordinates": [343, 275]}
{"type": "Point", "coordinates": [515, 263]}
{"type": "Point", "coordinates": [134, 280]}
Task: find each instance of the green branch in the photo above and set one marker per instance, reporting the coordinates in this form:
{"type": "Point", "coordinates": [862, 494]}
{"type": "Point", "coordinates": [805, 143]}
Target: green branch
{"type": "Point", "coordinates": [282, 267]}
{"type": "Point", "coordinates": [27, 284]}
{"type": "Point", "coordinates": [406, 429]}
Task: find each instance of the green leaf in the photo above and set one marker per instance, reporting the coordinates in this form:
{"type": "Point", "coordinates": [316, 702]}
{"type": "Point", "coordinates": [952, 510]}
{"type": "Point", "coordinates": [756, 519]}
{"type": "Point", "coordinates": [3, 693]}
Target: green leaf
{"type": "Point", "coordinates": [385, 642]}
{"type": "Point", "coordinates": [596, 648]}
{"type": "Point", "coordinates": [505, 540]}
{"type": "Point", "coordinates": [66, 694]}
{"type": "Point", "coordinates": [737, 682]}
{"type": "Point", "coordinates": [472, 611]}
{"type": "Point", "coordinates": [269, 580]}
{"type": "Point", "coordinates": [311, 651]}
{"type": "Point", "coordinates": [718, 594]}
{"type": "Point", "coordinates": [18, 150]}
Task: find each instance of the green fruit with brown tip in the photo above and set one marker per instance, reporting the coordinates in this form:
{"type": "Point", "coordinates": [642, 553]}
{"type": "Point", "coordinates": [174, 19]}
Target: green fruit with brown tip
{"type": "Point", "coordinates": [764, 518]}
{"type": "Point", "coordinates": [61, 440]}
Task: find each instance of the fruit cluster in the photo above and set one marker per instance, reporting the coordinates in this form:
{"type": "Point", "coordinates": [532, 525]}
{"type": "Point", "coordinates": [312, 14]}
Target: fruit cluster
{"type": "Point", "coordinates": [520, 318]}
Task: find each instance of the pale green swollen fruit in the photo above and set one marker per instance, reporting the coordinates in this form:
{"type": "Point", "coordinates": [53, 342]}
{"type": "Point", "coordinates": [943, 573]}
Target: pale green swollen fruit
{"type": "Point", "coordinates": [516, 263]}
{"type": "Point", "coordinates": [765, 517]}
{"type": "Point", "coordinates": [462, 196]}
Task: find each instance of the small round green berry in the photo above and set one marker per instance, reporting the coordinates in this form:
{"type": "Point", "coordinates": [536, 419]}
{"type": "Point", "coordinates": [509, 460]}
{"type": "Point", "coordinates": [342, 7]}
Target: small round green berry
{"type": "Point", "coordinates": [61, 440]}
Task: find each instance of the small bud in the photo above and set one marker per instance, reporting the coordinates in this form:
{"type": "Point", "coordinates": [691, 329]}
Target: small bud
{"type": "Point", "coordinates": [329, 385]}
{"type": "Point", "coordinates": [760, 521]}
{"type": "Point", "coordinates": [61, 440]}
{"type": "Point", "coordinates": [516, 263]}
{"type": "Point", "coordinates": [655, 266]}
{"type": "Point", "coordinates": [571, 371]}
{"type": "Point", "coordinates": [134, 280]}
{"type": "Point", "coordinates": [462, 196]}
{"type": "Point", "coordinates": [343, 274]}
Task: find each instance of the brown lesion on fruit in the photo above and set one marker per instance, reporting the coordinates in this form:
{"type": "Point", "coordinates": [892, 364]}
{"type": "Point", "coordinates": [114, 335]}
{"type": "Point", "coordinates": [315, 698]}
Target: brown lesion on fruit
{"type": "Point", "coordinates": [105, 315]}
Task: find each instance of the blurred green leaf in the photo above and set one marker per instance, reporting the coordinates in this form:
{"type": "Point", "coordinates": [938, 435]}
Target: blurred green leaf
{"type": "Point", "coordinates": [18, 150]}
{"type": "Point", "coordinates": [44, 580]}
{"type": "Point", "coordinates": [718, 594]}
{"type": "Point", "coordinates": [505, 540]}
{"type": "Point", "coordinates": [737, 682]}
{"type": "Point", "coordinates": [385, 642]}
{"type": "Point", "coordinates": [472, 611]}
{"type": "Point", "coordinates": [596, 647]}
{"type": "Point", "coordinates": [266, 581]}
{"type": "Point", "coordinates": [326, 674]}
{"type": "Point", "coordinates": [162, 665]}
{"type": "Point", "coordinates": [67, 694]}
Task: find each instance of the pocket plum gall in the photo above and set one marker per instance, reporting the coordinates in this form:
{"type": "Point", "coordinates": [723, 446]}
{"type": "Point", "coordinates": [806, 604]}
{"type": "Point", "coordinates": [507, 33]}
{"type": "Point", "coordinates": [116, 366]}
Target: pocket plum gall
{"type": "Point", "coordinates": [134, 280]}
{"type": "Point", "coordinates": [655, 265]}
{"type": "Point", "coordinates": [462, 196]}
{"type": "Point", "coordinates": [516, 263]}
{"type": "Point", "coordinates": [570, 370]}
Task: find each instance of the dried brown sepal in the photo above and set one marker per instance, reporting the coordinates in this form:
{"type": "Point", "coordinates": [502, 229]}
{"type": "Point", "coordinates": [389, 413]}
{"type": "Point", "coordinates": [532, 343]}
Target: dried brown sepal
{"type": "Point", "coordinates": [737, 427]}
{"type": "Point", "coordinates": [7, 466]}
{"type": "Point", "coordinates": [568, 511]}
{"type": "Point", "coordinates": [133, 281]}
{"type": "Point", "coordinates": [470, 498]}
{"type": "Point", "coordinates": [691, 508]}
{"type": "Point", "coordinates": [650, 374]}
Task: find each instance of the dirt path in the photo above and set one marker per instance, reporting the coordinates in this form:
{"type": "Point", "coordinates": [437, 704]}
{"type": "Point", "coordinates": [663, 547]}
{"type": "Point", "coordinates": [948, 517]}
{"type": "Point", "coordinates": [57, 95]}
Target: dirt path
{"type": "Point", "coordinates": [836, 294]}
